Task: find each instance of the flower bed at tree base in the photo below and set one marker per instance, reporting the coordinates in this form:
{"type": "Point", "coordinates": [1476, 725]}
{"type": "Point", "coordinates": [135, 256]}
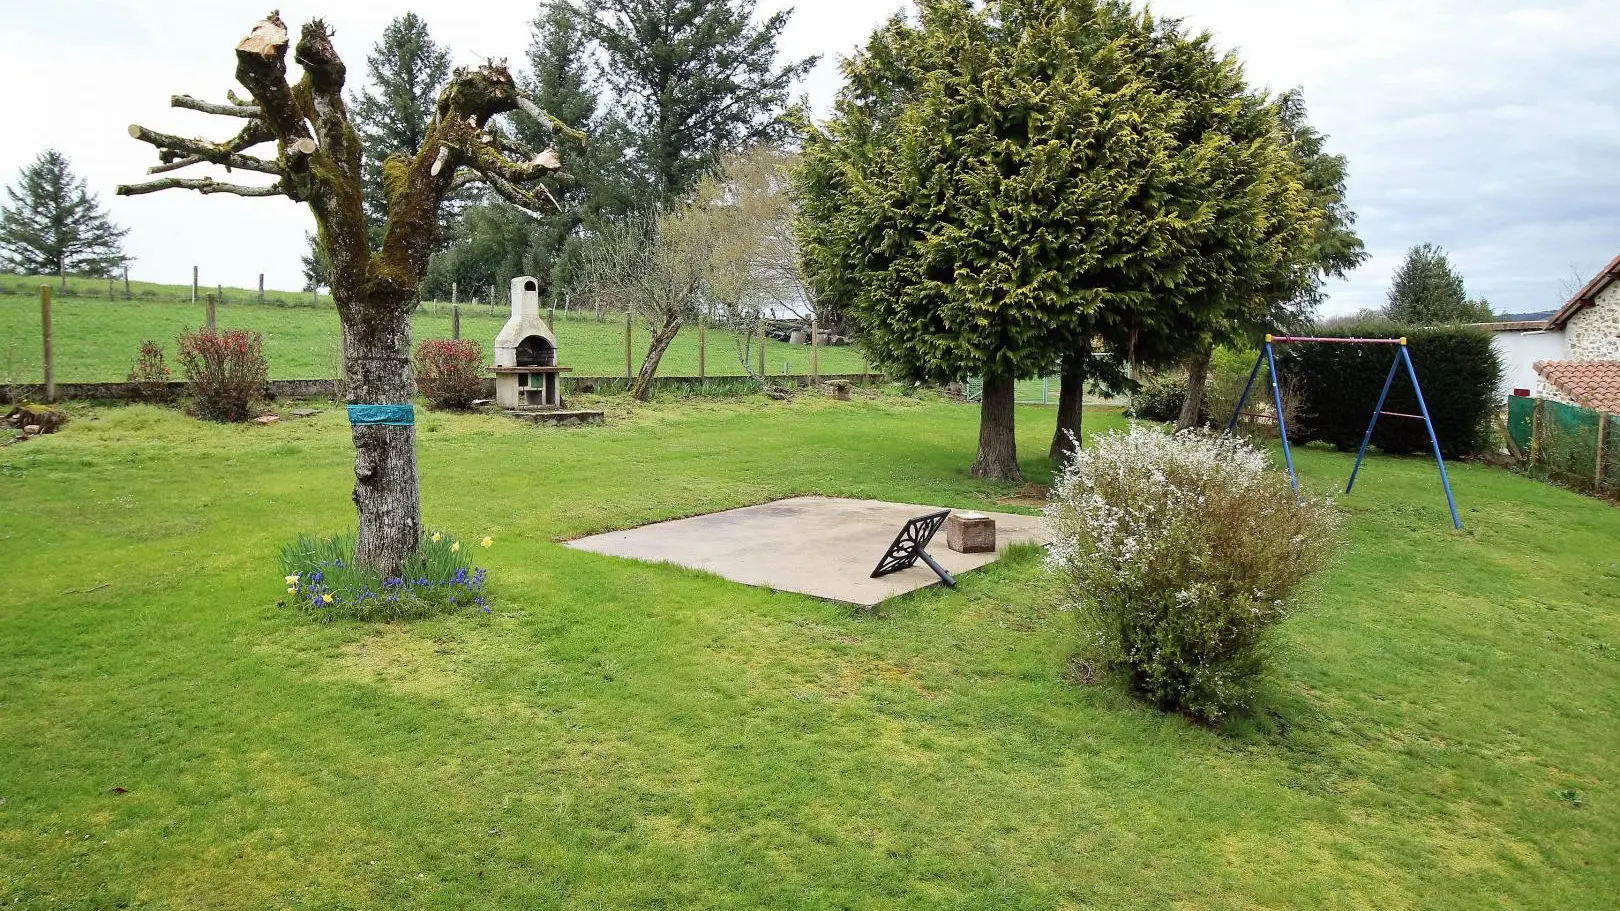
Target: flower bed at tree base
{"type": "Point", "coordinates": [323, 581]}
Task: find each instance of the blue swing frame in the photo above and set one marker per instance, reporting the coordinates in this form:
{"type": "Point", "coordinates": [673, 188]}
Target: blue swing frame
{"type": "Point", "coordinates": [1268, 359]}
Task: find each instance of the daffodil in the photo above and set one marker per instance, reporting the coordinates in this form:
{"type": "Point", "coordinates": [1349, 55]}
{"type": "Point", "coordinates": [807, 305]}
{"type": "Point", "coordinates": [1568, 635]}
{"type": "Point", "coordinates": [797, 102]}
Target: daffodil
{"type": "Point", "coordinates": [455, 546]}
{"type": "Point", "coordinates": [436, 538]}
{"type": "Point", "coordinates": [327, 598]}
{"type": "Point", "coordinates": [291, 590]}
{"type": "Point", "coordinates": [292, 579]}
{"type": "Point", "coordinates": [487, 542]}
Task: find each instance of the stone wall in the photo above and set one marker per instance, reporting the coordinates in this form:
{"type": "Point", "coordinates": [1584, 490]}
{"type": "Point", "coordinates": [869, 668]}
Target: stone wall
{"type": "Point", "coordinates": [1546, 390]}
{"type": "Point", "coordinates": [323, 389]}
{"type": "Point", "coordinates": [1593, 334]}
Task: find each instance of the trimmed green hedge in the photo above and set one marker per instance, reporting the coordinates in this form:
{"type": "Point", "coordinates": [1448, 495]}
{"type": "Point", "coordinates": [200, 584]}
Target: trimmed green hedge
{"type": "Point", "coordinates": [1339, 385]}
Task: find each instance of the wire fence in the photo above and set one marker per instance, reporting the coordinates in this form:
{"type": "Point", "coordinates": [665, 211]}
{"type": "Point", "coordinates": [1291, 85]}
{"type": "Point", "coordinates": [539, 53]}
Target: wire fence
{"type": "Point", "coordinates": [1574, 446]}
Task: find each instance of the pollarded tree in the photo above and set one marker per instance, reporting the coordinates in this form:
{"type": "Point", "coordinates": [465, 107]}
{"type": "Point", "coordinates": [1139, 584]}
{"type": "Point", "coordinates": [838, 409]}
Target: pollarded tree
{"type": "Point", "coordinates": [55, 226]}
{"type": "Point", "coordinates": [406, 71]}
{"type": "Point", "coordinates": [319, 161]}
{"type": "Point", "coordinates": [994, 181]}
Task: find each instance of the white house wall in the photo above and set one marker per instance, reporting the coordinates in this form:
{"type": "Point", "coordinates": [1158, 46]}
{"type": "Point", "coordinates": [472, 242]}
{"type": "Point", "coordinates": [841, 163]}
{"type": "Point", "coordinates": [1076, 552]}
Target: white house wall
{"type": "Point", "coordinates": [1519, 352]}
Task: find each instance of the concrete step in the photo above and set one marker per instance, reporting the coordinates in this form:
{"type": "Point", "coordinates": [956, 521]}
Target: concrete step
{"type": "Point", "coordinates": [556, 415]}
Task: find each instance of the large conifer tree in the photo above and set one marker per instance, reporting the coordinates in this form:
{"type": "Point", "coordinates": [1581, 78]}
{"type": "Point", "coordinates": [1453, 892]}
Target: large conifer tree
{"type": "Point", "coordinates": [693, 79]}
{"type": "Point", "coordinates": [1001, 184]}
{"type": "Point", "coordinates": [55, 226]}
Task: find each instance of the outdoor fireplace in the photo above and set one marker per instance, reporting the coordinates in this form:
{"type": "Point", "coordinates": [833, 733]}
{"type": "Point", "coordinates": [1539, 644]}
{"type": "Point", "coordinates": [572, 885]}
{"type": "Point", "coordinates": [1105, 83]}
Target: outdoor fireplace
{"type": "Point", "coordinates": [526, 371]}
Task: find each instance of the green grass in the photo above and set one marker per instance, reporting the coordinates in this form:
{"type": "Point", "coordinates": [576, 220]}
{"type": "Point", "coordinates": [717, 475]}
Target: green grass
{"type": "Point", "coordinates": [1440, 730]}
{"type": "Point", "coordinates": [96, 340]}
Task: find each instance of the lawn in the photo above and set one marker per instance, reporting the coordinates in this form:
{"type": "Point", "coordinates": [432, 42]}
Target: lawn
{"type": "Point", "coordinates": [1439, 731]}
{"type": "Point", "coordinates": [96, 339]}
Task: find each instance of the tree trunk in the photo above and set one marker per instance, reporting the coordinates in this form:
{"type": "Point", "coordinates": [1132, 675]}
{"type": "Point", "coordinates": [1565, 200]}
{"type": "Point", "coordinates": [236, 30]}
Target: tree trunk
{"type": "Point", "coordinates": [641, 388]}
{"type": "Point", "coordinates": [1071, 403]}
{"type": "Point", "coordinates": [377, 365]}
{"type": "Point", "coordinates": [998, 447]}
{"type": "Point", "coordinates": [1197, 378]}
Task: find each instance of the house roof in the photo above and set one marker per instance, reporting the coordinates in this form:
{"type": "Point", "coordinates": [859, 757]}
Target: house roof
{"type": "Point", "coordinates": [1515, 325]}
{"type": "Point", "coordinates": [1587, 295]}
{"type": "Point", "coordinates": [1594, 384]}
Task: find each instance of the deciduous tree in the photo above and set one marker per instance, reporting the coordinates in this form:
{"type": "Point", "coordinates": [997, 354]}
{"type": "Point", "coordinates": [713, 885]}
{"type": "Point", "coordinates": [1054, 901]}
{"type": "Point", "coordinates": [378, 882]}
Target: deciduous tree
{"type": "Point", "coordinates": [318, 160]}
{"type": "Point", "coordinates": [55, 226]}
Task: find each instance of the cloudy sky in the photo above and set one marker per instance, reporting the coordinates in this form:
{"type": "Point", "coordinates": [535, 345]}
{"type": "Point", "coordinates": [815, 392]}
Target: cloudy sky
{"type": "Point", "coordinates": [1489, 127]}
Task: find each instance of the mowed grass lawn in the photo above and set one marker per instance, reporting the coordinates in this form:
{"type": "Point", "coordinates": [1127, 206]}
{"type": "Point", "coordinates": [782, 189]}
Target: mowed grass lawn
{"type": "Point", "coordinates": [96, 340]}
{"type": "Point", "coordinates": [1439, 732]}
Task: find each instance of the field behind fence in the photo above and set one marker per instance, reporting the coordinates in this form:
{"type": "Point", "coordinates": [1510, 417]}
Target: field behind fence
{"type": "Point", "coordinates": [95, 338]}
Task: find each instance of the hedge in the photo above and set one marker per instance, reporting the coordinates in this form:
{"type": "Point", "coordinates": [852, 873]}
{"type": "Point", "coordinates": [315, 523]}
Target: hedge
{"type": "Point", "coordinates": [1339, 385]}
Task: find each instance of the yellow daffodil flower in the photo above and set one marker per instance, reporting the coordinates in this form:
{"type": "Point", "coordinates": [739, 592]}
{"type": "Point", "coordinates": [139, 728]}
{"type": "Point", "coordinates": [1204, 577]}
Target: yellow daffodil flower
{"type": "Point", "coordinates": [436, 538]}
{"type": "Point", "coordinates": [327, 598]}
{"type": "Point", "coordinates": [292, 580]}
{"type": "Point", "coordinates": [487, 542]}
{"type": "Point", "coordinates": [455, 546]}
{"type": "Point", "coordinates": [291, 590]}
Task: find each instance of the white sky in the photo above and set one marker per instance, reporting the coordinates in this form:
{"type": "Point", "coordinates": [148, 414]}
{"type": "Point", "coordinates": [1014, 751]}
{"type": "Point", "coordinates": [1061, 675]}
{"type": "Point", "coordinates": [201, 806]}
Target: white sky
{"type": "Point", "coordinates": [1486, 126]}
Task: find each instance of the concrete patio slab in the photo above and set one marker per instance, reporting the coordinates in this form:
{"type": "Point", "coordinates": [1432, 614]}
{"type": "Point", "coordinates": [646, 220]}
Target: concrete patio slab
{"type": "Point", "coordinates": [824, 547]}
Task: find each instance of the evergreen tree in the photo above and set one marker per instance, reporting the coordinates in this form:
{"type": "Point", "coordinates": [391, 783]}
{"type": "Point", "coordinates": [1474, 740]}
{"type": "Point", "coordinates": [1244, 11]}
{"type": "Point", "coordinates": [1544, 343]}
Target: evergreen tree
{"type": "Point", "coordinates": [55, 226]}
{"type": "Point", "coordinates": [1003, 182]}
{"type": "Point", "coordinates": [1426, 291]}
{"type": "Point", "coordinates": [1336, 249]}
{"type": "Point", "coordinates": [694, 79]}
{"type": "Point", "coordinates": [407, 70]}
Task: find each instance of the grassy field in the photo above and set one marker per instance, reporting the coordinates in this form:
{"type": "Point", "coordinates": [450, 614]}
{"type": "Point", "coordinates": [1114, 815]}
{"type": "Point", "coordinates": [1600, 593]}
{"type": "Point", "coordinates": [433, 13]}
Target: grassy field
{"type": "Point", "coordinates": [1439, 732]}
{"type": "Point", "coordinates": [96, 339]}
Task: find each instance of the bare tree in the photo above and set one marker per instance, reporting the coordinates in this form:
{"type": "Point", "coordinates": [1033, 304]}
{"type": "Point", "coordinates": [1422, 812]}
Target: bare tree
{"type": "Point", "coordinates": [656, 267]}
{"type": "Point", "coordinates": [317, 161]}
{"type": "Point", "coordinates": [755, 269]}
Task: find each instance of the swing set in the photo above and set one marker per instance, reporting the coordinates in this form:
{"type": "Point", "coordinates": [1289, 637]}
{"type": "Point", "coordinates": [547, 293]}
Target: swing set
{"type": "Point", "coordinates": [1403, 356]}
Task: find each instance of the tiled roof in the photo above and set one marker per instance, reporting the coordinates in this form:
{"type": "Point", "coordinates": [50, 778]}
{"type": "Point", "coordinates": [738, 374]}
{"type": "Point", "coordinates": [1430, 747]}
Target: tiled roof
{"type": "Point", "coordinates": [1587, 295]}
{"type": "Point", "coordinates": [1594, 384]}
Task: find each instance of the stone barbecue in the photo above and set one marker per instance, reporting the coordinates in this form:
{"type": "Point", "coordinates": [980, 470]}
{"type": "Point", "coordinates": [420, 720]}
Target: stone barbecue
{"type": "Point", "coordinates": [526, 371]}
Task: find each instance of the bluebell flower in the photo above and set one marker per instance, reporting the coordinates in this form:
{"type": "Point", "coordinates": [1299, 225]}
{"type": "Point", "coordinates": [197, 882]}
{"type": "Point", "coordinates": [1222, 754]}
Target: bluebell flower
{"type": "Point", "coordinates": [318, 577]}
{"type": "Point", "coordinates": [393, 581]}
{"type": "Point", "coordinates": [460, 577]}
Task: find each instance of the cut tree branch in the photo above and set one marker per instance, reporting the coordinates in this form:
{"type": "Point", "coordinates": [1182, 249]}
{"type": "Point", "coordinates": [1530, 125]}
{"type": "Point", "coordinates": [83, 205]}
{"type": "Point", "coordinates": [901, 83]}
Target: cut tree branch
{"type": "Point", "coordinates": [209, 107]}
{"type": "Point", "coordinates": [171, 148]}
{"type": "Point", "coordinates": [204, 185]}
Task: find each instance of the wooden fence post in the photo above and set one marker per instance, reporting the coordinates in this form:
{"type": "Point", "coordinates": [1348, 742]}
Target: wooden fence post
{"type": "Point", "coordinates": [551, 318]}
{"type": "Point", "coordinates": [1535, 432]}
{"type": "Point", "coordinates": [815, 350]}
{"type": "Point", "coordinates": [1603, 443]}
{"type": "Point", "coordinates": [261, 287]}
{"type": "Point", "coordinates": [210, 309]}
{"type": "Point", "coordinates": [702, 350]}
{"type": "Point", "coordinates": [455, 321]}
{"type": "Point", "coordinates": [627, 343]}
{"type": "Point", "coordinates": [126, 281]}
{"type": "Point", "coordinates": [45, 337]}
{"type": "Point", "coordinates": [193, 284]}
{"type": "Point", "coordinates": [762, 367]}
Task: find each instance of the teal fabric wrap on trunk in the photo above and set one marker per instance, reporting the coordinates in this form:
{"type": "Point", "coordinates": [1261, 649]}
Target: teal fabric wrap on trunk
{"type": "Point", "coordinates": [387, 415]}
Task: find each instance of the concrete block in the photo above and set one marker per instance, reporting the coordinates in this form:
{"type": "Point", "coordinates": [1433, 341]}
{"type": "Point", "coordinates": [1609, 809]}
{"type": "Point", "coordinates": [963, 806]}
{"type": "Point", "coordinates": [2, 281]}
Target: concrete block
{"type": "Point", "coordinates": [970, 533]}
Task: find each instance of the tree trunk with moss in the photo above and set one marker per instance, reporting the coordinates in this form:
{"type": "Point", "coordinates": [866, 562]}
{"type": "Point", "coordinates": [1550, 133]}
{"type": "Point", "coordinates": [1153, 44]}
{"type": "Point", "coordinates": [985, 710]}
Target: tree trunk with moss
{"type": "Point", "coordinates": [318, 162]}
{"type": "Point", "coordinates": [998, 445]}
{"type": "Point", "coordinates": [642, 387]}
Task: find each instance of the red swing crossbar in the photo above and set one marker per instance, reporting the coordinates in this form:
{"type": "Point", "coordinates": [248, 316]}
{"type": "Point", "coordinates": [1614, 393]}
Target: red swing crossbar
{"type": "Point", "coordinates": [1336, 341]}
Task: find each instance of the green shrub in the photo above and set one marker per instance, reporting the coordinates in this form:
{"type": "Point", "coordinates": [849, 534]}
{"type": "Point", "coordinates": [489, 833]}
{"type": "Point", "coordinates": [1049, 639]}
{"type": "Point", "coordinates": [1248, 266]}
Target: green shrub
{"type": "Point", "coordinates": [1179, 552]}
{"type": "Point", "coordinates": [1339, 385]}
{"type": "Point", "coordinates": [1160, 397]}
{"type": "Point", "coordinates": [323, 582]}
{"type": "Point", "coordinates": [226, 370]}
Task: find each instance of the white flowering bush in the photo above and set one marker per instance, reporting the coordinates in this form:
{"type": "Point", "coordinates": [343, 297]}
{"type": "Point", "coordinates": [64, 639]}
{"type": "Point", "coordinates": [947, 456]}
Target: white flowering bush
{"type": "Point", "coordinates": [1179, 552]}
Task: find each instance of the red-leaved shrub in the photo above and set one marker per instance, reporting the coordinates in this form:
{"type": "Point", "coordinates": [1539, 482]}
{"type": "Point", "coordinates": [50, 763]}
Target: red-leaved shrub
{"type": "Point", "coordinates": [450, 373]}
{"type": "Point", "coordinates": [151, 375]}
{"type": "Point", "coordinates": [226, 371]}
